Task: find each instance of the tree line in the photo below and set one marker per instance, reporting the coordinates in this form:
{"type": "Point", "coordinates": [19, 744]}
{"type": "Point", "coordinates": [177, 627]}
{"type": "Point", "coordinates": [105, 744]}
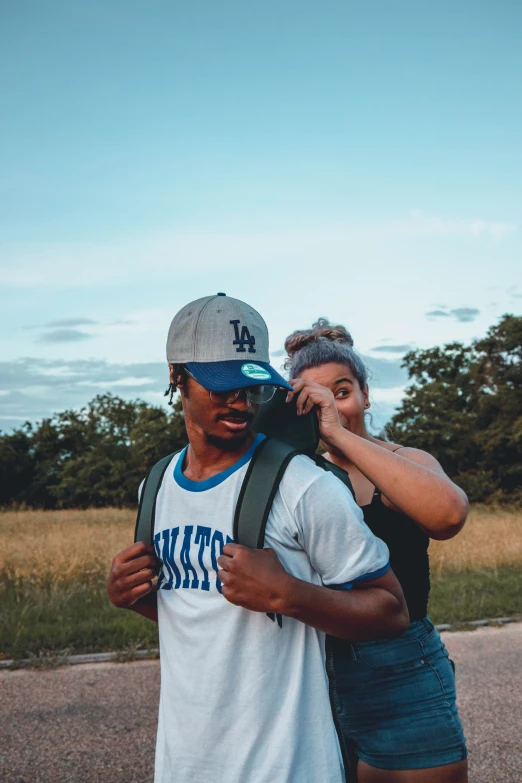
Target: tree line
{"type": "Point", "coordinates": [96, 456]}
{"type": "Point", "coordinates": [463, 406]}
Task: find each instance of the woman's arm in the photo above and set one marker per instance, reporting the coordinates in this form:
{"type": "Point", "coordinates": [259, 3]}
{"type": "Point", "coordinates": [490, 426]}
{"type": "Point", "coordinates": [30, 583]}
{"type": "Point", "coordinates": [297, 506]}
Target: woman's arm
{"type": "Point", "coordinates": [413, 481]}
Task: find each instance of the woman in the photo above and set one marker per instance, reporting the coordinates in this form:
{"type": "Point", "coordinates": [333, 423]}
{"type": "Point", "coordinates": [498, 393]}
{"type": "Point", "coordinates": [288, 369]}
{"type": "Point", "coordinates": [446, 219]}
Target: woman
{"type": "Point", "coordinates": [396, 697]}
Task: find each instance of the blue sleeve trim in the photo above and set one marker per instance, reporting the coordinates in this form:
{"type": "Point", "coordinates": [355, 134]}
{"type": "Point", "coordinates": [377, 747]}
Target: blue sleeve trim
{"type": "Point", "coordinates": [364, 578]}
{"type": "Point", "coordinates": [373, 574]}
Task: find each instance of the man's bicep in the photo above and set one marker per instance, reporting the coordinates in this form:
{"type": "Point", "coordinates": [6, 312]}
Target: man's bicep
{"type": "Point", "coordinates": [340, 546]}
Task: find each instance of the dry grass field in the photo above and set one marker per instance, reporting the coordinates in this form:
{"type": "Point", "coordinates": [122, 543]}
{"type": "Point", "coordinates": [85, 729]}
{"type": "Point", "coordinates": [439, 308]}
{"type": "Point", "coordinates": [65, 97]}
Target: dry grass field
{"type": "Point", "coordinates": [54, 564]}
{"type": "Point", "coordinates": [57, 546]}
{"type": "Point", "coordinates": [53, 573]}
{"type": "Point", "coordinates": [491, 538]}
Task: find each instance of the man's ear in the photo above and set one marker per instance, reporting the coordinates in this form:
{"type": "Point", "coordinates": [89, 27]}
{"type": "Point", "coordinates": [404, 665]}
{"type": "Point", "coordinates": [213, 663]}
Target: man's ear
{"type": "Point", "coordinates": [171, 373]}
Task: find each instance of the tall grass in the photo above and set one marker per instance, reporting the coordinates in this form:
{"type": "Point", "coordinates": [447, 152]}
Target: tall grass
{"type": "Point", "coordinates": [54, 567]}
{"type": "Point", "coordinates": [53, 575]}
{"type": "Point", "coordinates": [478, 573]}
{"type": "Point", "coordinates": [490, 539]}
{"type": "Point", "coordinates": [57, 546]}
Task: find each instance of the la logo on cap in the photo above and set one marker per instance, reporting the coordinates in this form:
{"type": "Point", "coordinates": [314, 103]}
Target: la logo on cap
{"type": "Point", "coordinates": [245, 339]}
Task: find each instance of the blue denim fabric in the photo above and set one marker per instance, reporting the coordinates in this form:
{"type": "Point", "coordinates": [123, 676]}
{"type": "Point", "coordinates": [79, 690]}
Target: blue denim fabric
{"type": "Point", "coordinates": [396, 700]}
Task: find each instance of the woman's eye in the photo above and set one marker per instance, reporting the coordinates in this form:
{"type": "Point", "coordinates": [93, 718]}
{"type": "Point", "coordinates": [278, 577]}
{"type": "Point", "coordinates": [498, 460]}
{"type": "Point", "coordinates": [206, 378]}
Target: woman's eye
{"type": "Point", "coordinates": [342, 393]}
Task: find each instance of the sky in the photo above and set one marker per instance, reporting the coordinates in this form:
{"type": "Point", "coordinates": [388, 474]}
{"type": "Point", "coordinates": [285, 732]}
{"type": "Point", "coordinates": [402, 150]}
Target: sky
{"type": "Point", "coordinates": [357, 161]}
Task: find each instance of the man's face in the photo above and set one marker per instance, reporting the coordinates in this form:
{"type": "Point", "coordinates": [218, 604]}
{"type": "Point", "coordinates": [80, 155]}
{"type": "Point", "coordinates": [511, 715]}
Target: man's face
{"type": "Point", "coordinates": [224, 425]}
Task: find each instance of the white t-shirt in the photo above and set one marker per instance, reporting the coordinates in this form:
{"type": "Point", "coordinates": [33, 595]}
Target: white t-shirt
{"type": "Point", "coordinates": [244, 696]}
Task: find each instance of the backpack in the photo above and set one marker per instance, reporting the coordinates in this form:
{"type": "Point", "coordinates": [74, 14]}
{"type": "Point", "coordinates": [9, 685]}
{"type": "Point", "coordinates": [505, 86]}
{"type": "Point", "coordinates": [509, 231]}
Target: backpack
{"type": "Point", "coordinates": [287, 435]}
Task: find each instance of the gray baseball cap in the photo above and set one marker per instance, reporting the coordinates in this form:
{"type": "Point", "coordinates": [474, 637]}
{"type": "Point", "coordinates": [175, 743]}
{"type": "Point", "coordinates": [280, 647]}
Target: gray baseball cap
{"type": "Point", "coordinates": [224, 344]}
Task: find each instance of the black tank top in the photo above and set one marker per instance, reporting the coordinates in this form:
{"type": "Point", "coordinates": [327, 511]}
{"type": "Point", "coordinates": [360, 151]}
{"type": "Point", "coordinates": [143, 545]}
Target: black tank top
{"type": "Point", "coordinates": [408, 546]}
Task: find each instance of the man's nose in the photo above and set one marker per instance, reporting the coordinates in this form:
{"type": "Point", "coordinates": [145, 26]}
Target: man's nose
{"type": "Point", "coordinates": [242, 402]}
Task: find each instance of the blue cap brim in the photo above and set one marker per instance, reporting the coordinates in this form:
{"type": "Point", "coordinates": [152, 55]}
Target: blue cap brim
{"type": "Point", "coordinates": [223, 376]}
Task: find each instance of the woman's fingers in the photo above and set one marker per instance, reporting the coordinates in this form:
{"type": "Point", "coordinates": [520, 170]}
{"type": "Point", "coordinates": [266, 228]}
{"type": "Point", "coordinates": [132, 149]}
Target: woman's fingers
{"type": "Point", "coordinates": [298, 384]}
{"type": "Point", "coordinates": [307, 393]}
{"type": "Point", "coordinates": [312, 394]}
{"type": "Point", "coordinates": [308, 406]}
{"type": "Point", "coordinates": [309, 396]}
{"type": "Point", "coordinates": [301, 402]}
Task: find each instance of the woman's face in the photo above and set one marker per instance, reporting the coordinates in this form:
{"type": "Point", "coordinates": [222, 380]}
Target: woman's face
{"type": "Point", "coordinates": [350, 399]}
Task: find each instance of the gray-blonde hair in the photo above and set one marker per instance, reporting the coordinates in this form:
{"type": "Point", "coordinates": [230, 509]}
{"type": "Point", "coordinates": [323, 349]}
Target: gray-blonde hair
{"type": "Point", "coordinates": [322, 344]}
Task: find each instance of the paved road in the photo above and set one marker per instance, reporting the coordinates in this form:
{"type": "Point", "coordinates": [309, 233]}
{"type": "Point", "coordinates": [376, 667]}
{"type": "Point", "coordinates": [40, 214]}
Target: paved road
{"type": "Point", "coordinates": [96, 723]}
{"type": "Point", "coordinates": [489, 688]}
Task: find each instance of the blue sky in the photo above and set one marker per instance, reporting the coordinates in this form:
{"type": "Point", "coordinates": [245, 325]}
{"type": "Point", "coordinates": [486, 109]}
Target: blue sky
{"type": "Point", "coordinates": [358, 161]}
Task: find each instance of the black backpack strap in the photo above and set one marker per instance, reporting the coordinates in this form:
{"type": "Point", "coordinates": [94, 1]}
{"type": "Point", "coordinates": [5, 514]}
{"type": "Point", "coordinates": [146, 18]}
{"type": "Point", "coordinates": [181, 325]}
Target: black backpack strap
{"type": "Point", "coordinates": [338, 472]}
{"type": "Point", "coordinates": [262, 479]}
{"type": "Point", "coordinates": [144, 530]}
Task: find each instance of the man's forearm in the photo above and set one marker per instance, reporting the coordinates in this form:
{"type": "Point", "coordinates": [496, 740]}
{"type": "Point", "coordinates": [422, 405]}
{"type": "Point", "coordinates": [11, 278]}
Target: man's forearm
{"type": "Point", "coordinates": [256, 580]}
{"type": "Point", "coordinates": [358, 614]}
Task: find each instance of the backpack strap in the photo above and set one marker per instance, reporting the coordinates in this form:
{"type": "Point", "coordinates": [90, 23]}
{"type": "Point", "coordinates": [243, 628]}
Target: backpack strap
{"type": "Point", "coordinates": [144, 530]}
{"type": "Point", "coordinates": [262, 479]}
{"type": "Point", "coordinates": [338, 472]}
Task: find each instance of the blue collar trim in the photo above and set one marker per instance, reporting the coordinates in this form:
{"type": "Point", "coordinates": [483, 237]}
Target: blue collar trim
{"type": "Point", "coordinates": [202, 486]}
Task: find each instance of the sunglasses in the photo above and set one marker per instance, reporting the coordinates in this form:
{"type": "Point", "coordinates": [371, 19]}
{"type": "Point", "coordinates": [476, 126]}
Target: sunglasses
{"type": "Point", "coordinates": [256, 395]}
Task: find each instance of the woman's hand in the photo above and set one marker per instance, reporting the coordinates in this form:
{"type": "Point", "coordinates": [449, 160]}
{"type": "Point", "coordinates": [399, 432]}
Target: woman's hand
{"type": "Point", "coordinates": [310, 394]}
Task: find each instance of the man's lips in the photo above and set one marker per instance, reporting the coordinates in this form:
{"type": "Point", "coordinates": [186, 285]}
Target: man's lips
{"type": "Point", "coordinates": [235, 423]}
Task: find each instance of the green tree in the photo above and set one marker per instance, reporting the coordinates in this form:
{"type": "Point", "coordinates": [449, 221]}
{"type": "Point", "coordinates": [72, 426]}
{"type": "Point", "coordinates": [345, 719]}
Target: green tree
{"type": "Point", "coordinates": [96, 456]}
{"type": "Point", "coordinates": [465, 408]}
{"type": "Point", "coordinates": [16, 464]}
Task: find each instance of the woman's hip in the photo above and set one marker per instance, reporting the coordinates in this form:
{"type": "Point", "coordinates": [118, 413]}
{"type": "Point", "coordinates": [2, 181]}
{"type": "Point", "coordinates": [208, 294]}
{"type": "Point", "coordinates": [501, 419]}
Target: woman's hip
{"type": "Point", "coordinates": [395, 699]}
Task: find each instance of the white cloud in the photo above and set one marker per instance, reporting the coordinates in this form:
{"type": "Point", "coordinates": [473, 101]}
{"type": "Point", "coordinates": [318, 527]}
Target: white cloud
{"type": "Point", "coordinates": [418, 223]}
{"type": "Point", "coordinates": [64, 336]}
{"type": "Point", "coordinates": [165, 255]}
{"type": "Point", "coordinates": [392, 396]}
{"type": "Point", "coordinates": [129, 382]}
{"type": "Point", "coordinates": [36, 387]}
{"type": "Point", "coordinates": [462, 314]}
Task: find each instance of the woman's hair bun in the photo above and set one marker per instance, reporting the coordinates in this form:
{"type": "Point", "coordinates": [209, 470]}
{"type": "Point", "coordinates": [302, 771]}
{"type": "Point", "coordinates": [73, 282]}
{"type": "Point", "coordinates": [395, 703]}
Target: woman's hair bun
{"type": "Point", "coordinates": [322, 329]}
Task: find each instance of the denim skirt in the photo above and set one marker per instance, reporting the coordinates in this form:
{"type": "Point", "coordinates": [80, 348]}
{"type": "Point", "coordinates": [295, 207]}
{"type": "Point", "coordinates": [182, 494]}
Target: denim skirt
{"type": "Point", "coordinates": [395, 700]}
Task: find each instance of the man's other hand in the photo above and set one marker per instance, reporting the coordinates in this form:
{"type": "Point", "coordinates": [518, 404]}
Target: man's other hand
{"type": "Point", "coordinates": [253, 578]}
{"type": "Point", "coordinates": [131, 575]}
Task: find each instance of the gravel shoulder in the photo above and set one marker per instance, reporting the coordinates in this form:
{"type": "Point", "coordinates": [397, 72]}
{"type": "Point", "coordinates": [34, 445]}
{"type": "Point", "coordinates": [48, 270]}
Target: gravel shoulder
{"type": "Point", "coordinates": [97, 722]}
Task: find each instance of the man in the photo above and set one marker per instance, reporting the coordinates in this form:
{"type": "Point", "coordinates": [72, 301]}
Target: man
{"type": "Point", "coordinates": [244, 694]}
